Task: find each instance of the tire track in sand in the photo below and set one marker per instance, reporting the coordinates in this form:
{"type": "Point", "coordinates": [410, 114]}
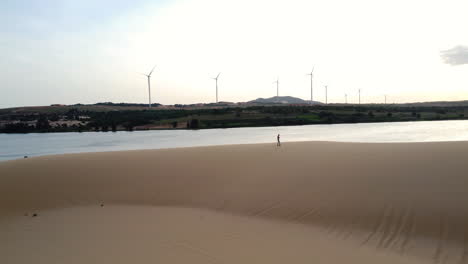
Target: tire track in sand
{"type": "Point", "coordinates": [377, 225]}
{"type": "Point", "coordinates": [399, 225]}
{"type": "Point", "coordinates": [443, 234]}
{"type": "Point", "coordinates": [408, 230]}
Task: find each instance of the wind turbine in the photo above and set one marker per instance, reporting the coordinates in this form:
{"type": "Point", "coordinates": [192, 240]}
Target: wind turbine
{"type": "Point", "coordinates": [277, 86]}
{"type": "Point", "coordinates": [149, 85]}
{"type": "Point", "coordinates": [311, 84]}
{"type": "Point", "coordinates": [216, 79]}
{"type": "Point", "coordinates": [346, 98]}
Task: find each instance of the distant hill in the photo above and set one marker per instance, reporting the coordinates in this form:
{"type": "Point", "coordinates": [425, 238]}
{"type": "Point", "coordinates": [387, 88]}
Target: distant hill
{"type": "Point", "coordinates": [437, 104]}
{"type": "Point", "coordinates": [281, 100]}
{"type": "Point", "coordinates": [126, 104]}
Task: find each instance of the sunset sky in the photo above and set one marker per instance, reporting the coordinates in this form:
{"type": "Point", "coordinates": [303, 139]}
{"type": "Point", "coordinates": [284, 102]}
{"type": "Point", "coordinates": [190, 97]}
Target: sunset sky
{"type": "Point", "coordinates": [90, 51]}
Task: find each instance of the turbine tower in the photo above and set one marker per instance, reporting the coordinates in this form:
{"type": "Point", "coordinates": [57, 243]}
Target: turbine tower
{"type": "Point", "coordinates": [277, 86]}
{"type": "Point", "coordinates": [326, 94]}
{"type": "Point", "coordinates": [149, 85]}
{"type": "Point", "coordinates": [359, 96]}
{"type": "Point", "coordinates": [346, 98]}
{"type": "Point", "coordinates": [311, 85]}
{"type": "Point", "coordinates": [216, 79]}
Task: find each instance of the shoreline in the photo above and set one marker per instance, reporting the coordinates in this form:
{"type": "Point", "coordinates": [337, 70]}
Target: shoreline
{"type": "Point", "coordinates": [240, 127]}
{"type": "Point", "coordinates": [228, 145]}
{"type": "Point", "coordinates": [16, 146]}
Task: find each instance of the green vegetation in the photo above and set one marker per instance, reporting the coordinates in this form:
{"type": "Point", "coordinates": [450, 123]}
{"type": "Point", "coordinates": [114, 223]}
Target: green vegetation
{"type": "Point", "coordinates": [113, 117]}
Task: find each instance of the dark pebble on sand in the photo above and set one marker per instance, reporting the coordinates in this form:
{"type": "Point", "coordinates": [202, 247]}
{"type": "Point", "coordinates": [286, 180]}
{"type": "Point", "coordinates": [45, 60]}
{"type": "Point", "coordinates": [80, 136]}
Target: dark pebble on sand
{"type": "Point", "coordinates": [34, 215]}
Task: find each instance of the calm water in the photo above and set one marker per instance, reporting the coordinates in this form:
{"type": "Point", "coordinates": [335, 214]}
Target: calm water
{"type": "Point", "coordinates": [13, 146]}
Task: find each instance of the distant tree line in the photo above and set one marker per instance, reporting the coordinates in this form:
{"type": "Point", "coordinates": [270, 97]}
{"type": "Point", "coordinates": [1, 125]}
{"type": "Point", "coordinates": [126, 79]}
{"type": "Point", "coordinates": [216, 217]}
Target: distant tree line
{"type": "Point", "coordinates": [277, 115]}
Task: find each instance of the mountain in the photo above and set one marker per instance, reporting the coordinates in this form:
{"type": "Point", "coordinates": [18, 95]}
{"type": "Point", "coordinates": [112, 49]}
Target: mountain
{"type": "Point", "coordinates": [281, 100]}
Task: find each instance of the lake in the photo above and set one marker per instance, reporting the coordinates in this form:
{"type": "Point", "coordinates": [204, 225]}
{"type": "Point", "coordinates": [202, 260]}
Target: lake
{"type": "Point", "coordinates": [14, 146]}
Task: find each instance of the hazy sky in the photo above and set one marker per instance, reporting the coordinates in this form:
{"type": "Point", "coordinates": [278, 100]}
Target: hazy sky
{"type": "Point", "coordinates": [89, 51]}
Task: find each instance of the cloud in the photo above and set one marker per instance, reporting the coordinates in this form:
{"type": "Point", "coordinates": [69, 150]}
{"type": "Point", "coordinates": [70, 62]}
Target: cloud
{"type": "Point", "coordinates": [457, 55]}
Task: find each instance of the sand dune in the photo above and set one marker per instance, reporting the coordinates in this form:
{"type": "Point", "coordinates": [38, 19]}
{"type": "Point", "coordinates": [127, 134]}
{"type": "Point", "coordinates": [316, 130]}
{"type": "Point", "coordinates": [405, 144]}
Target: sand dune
{"type": "Point", "coordinates": [301, 203]}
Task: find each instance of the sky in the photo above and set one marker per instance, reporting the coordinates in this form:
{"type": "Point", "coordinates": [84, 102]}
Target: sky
{"type": "Point", "coordinates": [68, 52]}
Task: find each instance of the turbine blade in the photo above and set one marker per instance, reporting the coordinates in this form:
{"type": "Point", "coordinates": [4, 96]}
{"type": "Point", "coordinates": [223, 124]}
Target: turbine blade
{"type": "Point", "coordinates": [152, 70]}
{"type": "Point", "coordinates": [218, 75]}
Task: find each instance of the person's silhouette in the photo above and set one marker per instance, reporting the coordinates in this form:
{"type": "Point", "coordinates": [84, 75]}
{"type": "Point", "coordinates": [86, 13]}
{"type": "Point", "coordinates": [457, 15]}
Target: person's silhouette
{"type": "Point", "coordinates": [279, 142]}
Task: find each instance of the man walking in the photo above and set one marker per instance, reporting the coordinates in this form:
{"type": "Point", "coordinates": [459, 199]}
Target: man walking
{"type": "Point", "coordinates": [279, 142]}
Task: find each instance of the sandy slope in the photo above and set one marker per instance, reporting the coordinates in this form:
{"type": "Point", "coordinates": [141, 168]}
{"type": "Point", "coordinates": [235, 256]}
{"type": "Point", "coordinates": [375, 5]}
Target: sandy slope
{"type": "Point", "coordinates": [301, 203]}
